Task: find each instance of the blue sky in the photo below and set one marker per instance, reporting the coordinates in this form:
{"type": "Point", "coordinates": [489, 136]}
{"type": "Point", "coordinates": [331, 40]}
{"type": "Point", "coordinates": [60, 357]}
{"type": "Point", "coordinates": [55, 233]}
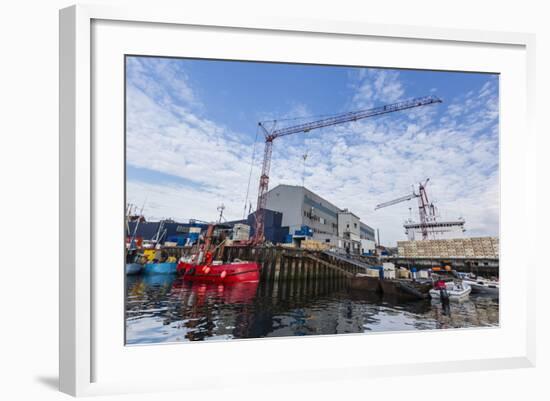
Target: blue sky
{"type": "Point", "coordinates": [192, 126]}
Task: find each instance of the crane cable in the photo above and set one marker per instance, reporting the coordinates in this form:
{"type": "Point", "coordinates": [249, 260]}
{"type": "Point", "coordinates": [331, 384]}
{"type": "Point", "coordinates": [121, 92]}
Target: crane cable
{"type": "Point", "coordinates": [251, 168]}
{"type": "Point", "coordinates": [306, 155]}
{"type": "Point", "coordinates": [311, 117]}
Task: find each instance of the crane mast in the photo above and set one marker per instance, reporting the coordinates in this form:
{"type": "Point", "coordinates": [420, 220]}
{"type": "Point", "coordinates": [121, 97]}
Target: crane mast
{"type": "Point", "coordinates": [272, 134]}
{"type": "Point", "coordinates": [426, 210]}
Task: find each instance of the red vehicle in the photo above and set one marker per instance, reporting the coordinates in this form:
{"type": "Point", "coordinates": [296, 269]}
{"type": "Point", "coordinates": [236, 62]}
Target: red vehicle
{"type": "Point", "coordinates": [202, 268]}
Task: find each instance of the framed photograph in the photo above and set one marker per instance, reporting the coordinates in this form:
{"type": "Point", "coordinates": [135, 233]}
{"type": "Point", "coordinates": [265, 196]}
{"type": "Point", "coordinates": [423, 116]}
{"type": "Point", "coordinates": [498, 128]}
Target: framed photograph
{"type": "Point", "coordinates": [294, 199]}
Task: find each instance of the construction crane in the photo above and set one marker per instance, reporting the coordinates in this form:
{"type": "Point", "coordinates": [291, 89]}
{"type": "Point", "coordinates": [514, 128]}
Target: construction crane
{"type": "Point", "coordinates": [272, 134]}
{"type": "Point", "coordinates": [426, 210]}
{"type": "Point", "coordinates": [429, 224]}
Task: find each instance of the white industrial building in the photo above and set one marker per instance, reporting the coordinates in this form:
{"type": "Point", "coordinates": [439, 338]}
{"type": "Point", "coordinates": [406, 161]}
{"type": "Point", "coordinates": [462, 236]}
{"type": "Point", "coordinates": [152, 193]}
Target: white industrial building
{"type": "Point", "coordinates": [434, 229]}
{"type": "Point", "coordinates": [330, 224]}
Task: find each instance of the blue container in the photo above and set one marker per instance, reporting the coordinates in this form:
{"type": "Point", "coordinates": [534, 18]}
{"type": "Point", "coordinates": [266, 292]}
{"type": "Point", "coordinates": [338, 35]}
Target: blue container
{"type": "Point", "coordinates": [307, 230]}
{"type": "Point", "coordinates": [304, 231]}
{"type": "Point", "coordinates": [288, 239]}
{"type": "Point", "coordinates": [188, 239]}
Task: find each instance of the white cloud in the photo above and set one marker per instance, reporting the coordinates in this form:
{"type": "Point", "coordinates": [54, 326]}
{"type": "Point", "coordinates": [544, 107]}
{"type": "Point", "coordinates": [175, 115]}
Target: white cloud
{"type": "Point", "coordinates": [165, 136]}
{"type": "Point", "coordinates": [376, 85]}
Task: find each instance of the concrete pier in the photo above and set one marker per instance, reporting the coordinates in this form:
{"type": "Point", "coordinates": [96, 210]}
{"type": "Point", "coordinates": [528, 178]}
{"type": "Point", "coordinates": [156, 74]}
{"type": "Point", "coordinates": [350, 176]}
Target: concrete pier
{"type": "Point", "coordinates": [478, 266]}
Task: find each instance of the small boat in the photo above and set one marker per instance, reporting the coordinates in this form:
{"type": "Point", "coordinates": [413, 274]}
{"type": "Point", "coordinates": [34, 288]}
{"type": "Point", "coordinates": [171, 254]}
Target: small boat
{"type": "Point", "coordinates": [481, 285]}
{"type": "Point", "coordinates": [220, 273]}
{"type": "Point", "coordinates": [160, 268]}
{"type": "Point", "coordinates": [465, 276]}
{"type": "Point", "coordinates": [452, 290]}
{"type": "Point", "coordinates": [407, 289]}
{"type": "Point", "coordinates": [133, 268]}
{"type": "Point", "coordinates": [201, 266]}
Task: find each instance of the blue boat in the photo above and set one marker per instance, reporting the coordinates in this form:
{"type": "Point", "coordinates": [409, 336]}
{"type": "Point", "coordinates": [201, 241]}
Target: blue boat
{"type": "Point", "coordinates": [160, 268]}
{"type": "Point", "coordinates": [133, 268]}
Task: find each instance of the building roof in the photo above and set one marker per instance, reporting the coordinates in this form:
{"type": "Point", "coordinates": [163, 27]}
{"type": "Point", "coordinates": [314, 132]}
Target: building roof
{"type": "Point", "coordinates": [304, 189]}
{"type": "Point", "coordinates": [346, 211]}
{"type": "Point", "coordinates": [340, 210]}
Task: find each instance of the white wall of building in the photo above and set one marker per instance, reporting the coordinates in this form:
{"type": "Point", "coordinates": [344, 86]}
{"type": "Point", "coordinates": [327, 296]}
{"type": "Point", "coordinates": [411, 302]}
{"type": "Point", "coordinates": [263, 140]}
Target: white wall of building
{"type": "Point", "coordinates": [289, 201]}
{"type": "Point", "coordinates": [349, 223]}
{"type": "Point", "coordinates": [367, 245]}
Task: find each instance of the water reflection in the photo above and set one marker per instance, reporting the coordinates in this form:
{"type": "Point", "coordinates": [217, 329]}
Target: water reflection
{"type": "Point", "coordinates": [162, 308]}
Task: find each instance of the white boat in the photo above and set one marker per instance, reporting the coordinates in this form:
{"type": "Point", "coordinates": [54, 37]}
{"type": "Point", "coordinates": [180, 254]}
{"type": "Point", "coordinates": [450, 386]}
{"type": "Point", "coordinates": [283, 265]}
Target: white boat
{"type": "Point", "coordinates": [483, 286]}
{"type": "Point", "coordinates": [455, 290]}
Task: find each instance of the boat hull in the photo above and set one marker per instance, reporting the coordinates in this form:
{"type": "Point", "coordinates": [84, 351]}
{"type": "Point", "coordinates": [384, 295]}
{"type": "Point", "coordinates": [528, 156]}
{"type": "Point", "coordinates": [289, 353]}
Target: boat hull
{"type": "Point", "coordinates": [478, 288]}
{"type": "Point", "coordinates": [366, 283]}
{"type": "Point", "coordinates": [454, 294]}
{"type": "Point", "coordinates": [160, 268]}
{"type": "Point", "coordinates": [406, 289]}
{"type": "Point", "coordinates": [133, 268]}
{"type": "Point", "coordinates": [230, 273]}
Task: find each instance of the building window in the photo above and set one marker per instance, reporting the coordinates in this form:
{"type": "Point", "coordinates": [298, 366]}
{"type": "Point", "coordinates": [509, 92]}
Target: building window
{"type": "Point", "coordinates": [354, 225]}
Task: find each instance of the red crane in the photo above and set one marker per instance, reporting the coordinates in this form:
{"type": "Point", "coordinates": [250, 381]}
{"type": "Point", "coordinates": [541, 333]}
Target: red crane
{"type": "Point", "coordinates": [271, 135]}
{"type": "Point", "coordinates": [426, 210]}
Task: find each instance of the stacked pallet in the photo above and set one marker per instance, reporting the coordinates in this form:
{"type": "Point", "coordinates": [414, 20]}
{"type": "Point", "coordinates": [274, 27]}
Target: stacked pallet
{"type": "Point", "coordinates": [478, 247]}
{"type": "Point", "coordinates": [241, 232]}
{"type": "Point", "coordinates": [313, 245]}
{"type": "Point", "coordinates": [373, 273]}
{"type": "Point", "coordinates": [403, 273]}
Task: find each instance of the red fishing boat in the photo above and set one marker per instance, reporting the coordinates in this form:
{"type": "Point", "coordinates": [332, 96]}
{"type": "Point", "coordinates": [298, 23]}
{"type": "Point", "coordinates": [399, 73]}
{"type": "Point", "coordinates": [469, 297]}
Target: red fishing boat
{"type": "Point", "coordinates": [202, 268]}
{"type": "Point", "coordinates": [226, 273]}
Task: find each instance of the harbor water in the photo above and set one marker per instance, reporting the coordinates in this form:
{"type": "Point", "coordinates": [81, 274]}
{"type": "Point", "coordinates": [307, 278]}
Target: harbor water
{"type": "Point", "coordinates": [164, 308]}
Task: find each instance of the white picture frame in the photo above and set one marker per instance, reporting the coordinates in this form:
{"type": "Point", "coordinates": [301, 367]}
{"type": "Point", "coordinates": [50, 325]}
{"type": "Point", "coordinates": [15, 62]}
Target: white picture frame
{"type": "Point", "coordinates": [83, 344]}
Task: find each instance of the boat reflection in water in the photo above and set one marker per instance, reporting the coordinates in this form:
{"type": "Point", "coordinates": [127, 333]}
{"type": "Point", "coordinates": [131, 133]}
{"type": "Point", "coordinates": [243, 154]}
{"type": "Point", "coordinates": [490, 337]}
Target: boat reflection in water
{"type": "Point", "coordinates": [164, 308]}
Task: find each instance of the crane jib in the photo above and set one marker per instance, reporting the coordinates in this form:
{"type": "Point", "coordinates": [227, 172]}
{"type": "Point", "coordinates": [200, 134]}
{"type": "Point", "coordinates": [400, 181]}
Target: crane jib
{"type": "Point", "coordinates": [354, 116]}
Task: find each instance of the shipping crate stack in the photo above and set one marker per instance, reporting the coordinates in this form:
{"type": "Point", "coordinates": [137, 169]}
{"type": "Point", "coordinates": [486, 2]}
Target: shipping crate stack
{"type": "Point", "coordinates": [496, 246]}
{"type": "Point", "coordinates": [478, 247]}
